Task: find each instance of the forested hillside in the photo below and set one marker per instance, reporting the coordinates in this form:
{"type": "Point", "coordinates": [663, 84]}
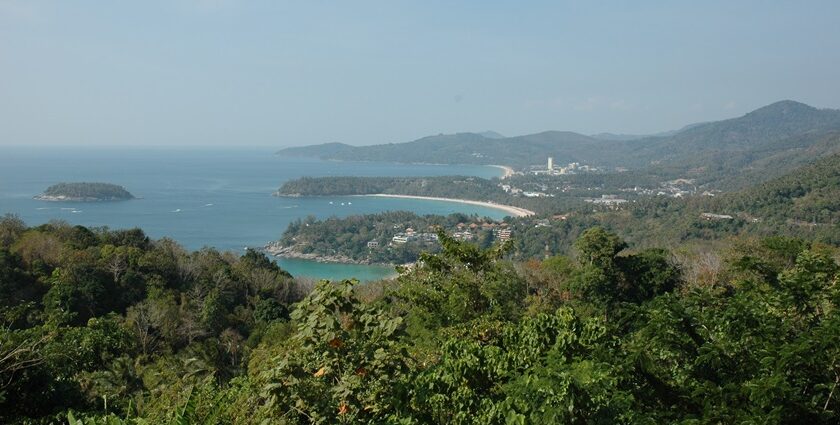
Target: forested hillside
{"type": "Point", "coordinates": [802, 203]}
{"type": "Point", "coordinates": [109, 327]}
{"type": "Point", "coordinates": [762, 129]}
{"type": "Point", "coordinates": [98, 319]}
{"type": "Point", "coordinates": [810, 194]}
{"type": "Point", "coordinates": [85, 192]}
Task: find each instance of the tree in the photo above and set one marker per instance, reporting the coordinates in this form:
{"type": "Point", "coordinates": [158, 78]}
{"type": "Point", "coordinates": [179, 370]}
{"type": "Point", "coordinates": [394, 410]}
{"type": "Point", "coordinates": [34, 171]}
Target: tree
{"type": "Point", "coordinates": [551, 368]}
{"type": "Point", "coordinates": [343, 364]}
{"type": "Point", "coordinates": [459, 284]}
{"type": "Point", "coordinates": [598, 247]}
{"type": "Point", "coordinates": [11, 227]}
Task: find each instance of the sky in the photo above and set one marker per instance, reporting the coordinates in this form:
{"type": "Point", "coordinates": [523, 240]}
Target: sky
{"type": "Point", "coordinates": [279, 73]}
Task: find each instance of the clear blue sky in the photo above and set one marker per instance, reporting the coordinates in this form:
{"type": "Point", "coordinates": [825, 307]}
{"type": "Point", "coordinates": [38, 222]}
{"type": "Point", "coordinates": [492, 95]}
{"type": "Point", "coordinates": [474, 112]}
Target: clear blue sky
{"type": "Point", "coordinates": [278, 73]}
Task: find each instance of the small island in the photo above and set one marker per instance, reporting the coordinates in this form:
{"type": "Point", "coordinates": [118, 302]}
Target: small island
{"type": "Point", "coordinates": [85, 192]}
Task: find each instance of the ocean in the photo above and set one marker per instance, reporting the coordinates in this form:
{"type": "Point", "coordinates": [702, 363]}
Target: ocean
{"type": "Point", "coordinates": [218, 198]}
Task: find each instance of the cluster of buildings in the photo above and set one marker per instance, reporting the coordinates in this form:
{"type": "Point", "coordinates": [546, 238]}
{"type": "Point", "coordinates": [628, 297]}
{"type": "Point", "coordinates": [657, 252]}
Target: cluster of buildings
{"type": "Point", "coordinates": [528, 194]}
{"type": "Point", "coordinates": [571, 168]}
{"type": "Point", "coordinates": [607, 200]}
{"type": "Point", "coordinates": [677, 188]}
{"type": "Point", "coordinates": [469, 232]}
{"type": "Point", "coordinates": [410, 235]}
{"type": "Point", "coordinates": [502, 234]}
{"type": "Point", "coordinates": [463, 232]}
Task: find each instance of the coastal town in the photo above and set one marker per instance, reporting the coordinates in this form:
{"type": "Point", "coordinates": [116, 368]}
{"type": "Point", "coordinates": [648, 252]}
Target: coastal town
{"type": "Point", "coordinates": [552, 188]}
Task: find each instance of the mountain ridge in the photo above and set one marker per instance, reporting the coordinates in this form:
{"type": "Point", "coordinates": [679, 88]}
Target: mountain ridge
{"type": "Point", "coordinates": [760, 133]}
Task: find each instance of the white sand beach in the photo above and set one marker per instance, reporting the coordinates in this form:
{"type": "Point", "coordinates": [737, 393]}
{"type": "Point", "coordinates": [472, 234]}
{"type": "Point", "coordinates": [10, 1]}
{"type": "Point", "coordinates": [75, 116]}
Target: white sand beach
{"type": "Point", "coordinates": [506, 171]}
{"type": "Point", "coordinates": [514, 211]}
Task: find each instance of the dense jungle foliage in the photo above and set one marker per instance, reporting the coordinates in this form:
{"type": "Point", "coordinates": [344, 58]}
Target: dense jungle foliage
{"type": "Point", "coordinates": [110, 327]}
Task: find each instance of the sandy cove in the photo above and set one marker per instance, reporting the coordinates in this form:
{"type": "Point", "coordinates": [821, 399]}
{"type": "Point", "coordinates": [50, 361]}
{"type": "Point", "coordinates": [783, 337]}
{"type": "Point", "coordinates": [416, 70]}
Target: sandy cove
{"type": "Point", "coordinates": [514, 211]}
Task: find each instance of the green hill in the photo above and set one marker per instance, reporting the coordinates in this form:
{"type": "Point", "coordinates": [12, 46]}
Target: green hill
{"type": "Point", "coordinates": [759, 129]}
{"type": "Point", "coordinates": [808, 194]}
{"type": "Point", "coordinates": [85, 192]}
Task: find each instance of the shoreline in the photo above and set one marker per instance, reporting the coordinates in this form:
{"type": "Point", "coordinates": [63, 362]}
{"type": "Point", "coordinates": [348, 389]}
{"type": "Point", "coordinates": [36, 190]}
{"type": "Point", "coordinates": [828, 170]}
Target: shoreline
{"type": "Point", "coordinates": [290, 253]}
{"type": "Point", "coordinates": [65, 198]}
{"type": "Point", "coordinates": [514, 211]}
{"type": "Point", "coordinates": [506, 171]}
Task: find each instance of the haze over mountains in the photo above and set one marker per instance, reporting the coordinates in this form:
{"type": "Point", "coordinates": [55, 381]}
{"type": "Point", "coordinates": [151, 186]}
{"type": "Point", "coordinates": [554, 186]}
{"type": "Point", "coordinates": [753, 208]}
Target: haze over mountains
{"type": "Point", "coordinates": [772, 139]}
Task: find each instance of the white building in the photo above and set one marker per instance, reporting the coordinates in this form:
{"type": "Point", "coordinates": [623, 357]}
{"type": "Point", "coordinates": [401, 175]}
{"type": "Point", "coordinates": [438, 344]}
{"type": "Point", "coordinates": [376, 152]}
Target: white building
{"type": "Point", "coordinates": [710, 216]}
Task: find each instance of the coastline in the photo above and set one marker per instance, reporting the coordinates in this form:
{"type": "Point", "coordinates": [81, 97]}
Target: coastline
{"type": "Point", "coordinates": [514, 211]}
{"type": "Point", "coordinates": [289, 253]}
{"type": "Point", "coordinates": [65, 198]}
{"type": "Point", "coordinates": [506, 171]}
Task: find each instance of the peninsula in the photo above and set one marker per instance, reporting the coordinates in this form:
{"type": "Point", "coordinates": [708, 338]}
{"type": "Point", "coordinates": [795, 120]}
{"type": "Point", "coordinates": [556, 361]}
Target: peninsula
{"type": "Point", "coordinates": [462, 189]}
{"type": "Point", "coordinates": [84, 192]}
{"type": "Point", "coordinates": [392, 237]}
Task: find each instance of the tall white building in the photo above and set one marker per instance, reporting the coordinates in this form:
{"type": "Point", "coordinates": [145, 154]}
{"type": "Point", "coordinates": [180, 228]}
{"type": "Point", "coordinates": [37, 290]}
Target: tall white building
{"type": "Point", "coordinates": [550, 163]}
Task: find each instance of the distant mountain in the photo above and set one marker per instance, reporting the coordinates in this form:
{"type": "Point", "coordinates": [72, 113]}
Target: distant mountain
{"type": "Point", "coordinates": [719, 149]}
{"type": "Point", "coordinates": [461, 148]}
{"type": "Point", "coordinates": [464, 148]}
{"type": "Point", "coordinates": [756, 130]}
{"type": "Point", "coordinates": [625, 137]}
{"type": "Point", "coordinates": [324, 150]}
{"type": "Point", "coordinates": [611, 137]}
{"type": "Point", "coordinates": [735, 153]}
{"type": "Point", "coordinates": [491, 134]}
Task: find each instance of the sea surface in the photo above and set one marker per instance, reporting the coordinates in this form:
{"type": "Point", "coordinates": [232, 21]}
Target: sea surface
{"type": "Point", "coordinates": [218, 198]}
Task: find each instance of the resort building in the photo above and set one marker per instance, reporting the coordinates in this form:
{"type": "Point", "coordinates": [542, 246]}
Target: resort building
{"type": "Point", "coordinates": [502, 234]}
{"type": "Point", "coordinates": [710, 216]}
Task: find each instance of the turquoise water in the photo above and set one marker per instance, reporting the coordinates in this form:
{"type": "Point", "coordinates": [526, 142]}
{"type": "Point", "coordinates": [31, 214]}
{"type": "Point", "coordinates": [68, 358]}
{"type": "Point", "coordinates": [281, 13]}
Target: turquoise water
{"type": "Point", "coordinates": [208, 198]}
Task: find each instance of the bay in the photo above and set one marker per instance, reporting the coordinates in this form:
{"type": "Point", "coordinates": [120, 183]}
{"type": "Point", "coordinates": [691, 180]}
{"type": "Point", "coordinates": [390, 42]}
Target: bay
{"type": "Point", "coordinates": [219, 198]}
